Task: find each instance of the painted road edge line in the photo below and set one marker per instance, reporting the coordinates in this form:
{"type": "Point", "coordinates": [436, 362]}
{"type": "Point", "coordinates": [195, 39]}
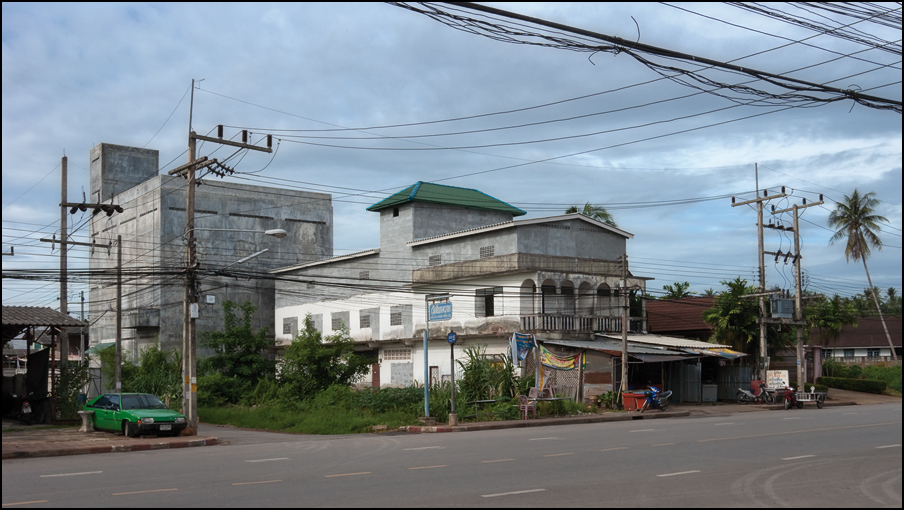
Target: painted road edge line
{"type": "Point", "coordinates": [889, 446]}
{"type": "Point", "coordinates": [510, 493]}
{"type": "Point", "coordinates": [679, 473]}
{"type": "Point", "coordinates": [426, 448]}
{"type": "Point", "coordinates": [25, 503]}
{"type": "Point", "coordinates": [268, 460]}
{"type": "Point", "coordinates": [798, 457]}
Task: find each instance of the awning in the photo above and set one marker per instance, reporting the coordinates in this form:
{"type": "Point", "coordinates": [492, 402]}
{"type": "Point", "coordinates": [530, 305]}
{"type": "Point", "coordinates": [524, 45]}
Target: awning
{"type": "Point", "coordinates": [654, 358]}
{"type": "Point", "coordinates": [718, 352]}
{"type": "Point", "coordinates": [99, 347]}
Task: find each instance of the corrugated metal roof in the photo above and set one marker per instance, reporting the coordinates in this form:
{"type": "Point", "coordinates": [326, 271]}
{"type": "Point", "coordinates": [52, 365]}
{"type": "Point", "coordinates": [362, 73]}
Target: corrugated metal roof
{"type": "Point", "coordinates": [662, 341]}
{"type": "Point", "coordinates": [37, 316]}
{"type": "Point", "coordinates": [447, 195]}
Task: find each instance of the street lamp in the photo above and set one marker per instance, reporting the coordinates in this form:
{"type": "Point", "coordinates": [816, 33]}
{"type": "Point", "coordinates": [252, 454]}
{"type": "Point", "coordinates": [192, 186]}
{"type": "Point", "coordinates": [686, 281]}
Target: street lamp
{"type": "Point", "coordinates": [190, 313]}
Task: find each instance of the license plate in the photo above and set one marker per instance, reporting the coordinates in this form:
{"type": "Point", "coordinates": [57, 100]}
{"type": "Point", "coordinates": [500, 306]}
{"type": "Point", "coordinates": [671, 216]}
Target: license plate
{"type": "Point", "coordinates": [166, 427]}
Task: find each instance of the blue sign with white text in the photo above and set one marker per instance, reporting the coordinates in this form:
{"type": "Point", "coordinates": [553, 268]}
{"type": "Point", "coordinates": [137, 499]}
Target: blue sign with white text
{"type": "Point", "coordinates": [439, 311]}
{"type": "Point", "coordinates": [452, 337]}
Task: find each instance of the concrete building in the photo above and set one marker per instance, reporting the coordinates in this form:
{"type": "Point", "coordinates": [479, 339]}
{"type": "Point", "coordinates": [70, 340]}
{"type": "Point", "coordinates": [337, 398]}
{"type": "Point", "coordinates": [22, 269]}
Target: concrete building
{"type": "Point", "coordinates": [152, 226]}
{"type": "Point", "coordinates": [557, 277]}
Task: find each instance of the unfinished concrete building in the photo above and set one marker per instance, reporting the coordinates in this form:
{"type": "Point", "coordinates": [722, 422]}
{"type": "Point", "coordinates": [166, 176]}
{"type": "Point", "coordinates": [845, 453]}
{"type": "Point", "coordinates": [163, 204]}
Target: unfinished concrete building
{"type": "Point", "coordinates": [230, 220]}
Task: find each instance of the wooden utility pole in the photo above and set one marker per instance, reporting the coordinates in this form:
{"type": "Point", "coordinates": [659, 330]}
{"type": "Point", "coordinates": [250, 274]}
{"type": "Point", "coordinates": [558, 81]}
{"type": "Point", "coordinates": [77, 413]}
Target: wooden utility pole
{"type": "Point", "coordinates": [190, 310]}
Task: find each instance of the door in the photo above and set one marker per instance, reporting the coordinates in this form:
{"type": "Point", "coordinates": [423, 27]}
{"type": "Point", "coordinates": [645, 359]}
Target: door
{"type": "Point", "coordinates": [375, 375]}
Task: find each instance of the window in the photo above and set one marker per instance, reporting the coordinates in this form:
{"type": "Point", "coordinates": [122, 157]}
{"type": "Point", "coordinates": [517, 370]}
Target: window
{"type": "Point", "coordinates": [487, 251]}
{"type": "Point", "coordinates": [365, 321]}
{"type": "Point", "coordinates": [485, 301]}
{"type": "Point", "coordinates": [396, 354]}
{"type": "Point", "coordinates": [337, 323]}
{"type": "Point", "coordinates": [849, 353]}
{"type": "Point", "coordinates": [435, 260]}
{"type": "Point", "coordinates": [289, 325]}
{"type": "Point", "coordinates": [364, 275]}
{"type": "Point", "coordinates": [395, 212]}
{"type": "Point", "coordinates": [395, 318]}
{"type": "Point", "coordinates": [872, 353]}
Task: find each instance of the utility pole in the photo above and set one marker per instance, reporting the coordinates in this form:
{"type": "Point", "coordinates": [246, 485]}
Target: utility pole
{"type": "Point", "coordinates": [624, 325]}
{"type": "Point", "coordinates": [190, 311]}
{"type": "Point", "coordinates": [763, 364]}
{"type": "Point", "coordinates": [798, 321]}
{"type": "Point", "coordinates": [64, 265]}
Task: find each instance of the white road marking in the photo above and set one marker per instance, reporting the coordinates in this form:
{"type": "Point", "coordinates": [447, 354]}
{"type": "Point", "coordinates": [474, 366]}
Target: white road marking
{"type": "Point", "coordinates": [426, 448]}
{"type": "Point", "coordinates": [510, 493]}
{"type": "Point", "coordinates": [73, 474]}
{"type": "Point", "coordinates": [679, 473]}
{"type": "Point", "coordinates": [619, 448]}
{"type": "Point", "coordinates": [25, 503]}
{"type": "Point", "coordinates": [795, 418]}
{"type": "Point", "coordinates": [542, 438]}
{"type": "Point", "coordinates": [726, 423]}
{"type": "Point", "coordinates": [558, 454]}
{"type": "Point", "coordinates": [643, 430]}
{"type": "Point", "coordinates": [255, 483]}
{"type": "Point", "coordinates": [888, 446]}
{"type": "Point", "coordinates": [143, 492]}
{"type": "Point", "coordinates": [798, 457]}
{"type": "Point", "coordinates": [268, 460]}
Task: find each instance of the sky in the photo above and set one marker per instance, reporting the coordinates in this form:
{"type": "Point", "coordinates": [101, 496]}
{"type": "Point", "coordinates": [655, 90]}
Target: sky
{"type": "Point", "coordinates": [364, 100]}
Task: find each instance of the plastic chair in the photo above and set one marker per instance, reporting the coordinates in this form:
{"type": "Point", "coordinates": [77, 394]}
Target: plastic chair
{"type": "Point", "coordinates": [533, 393]}
{"type": "Point", "coordinates": [525, 406]}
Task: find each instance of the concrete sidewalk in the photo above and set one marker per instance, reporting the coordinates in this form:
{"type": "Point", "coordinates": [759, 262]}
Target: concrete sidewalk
{"type": "Point", "coordinates": [36, 441]}
{"type": "Point", "coordinates": [24, 441]}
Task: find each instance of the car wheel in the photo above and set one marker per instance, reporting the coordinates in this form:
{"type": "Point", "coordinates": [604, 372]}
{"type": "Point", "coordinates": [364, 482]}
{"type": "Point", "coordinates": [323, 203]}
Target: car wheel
{"type": "Point", "coordinates": [127, 429]}
{"type": "Point", "coordinates": [800, 405]}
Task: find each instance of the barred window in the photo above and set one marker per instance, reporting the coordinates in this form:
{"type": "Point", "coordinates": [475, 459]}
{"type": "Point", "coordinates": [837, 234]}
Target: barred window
{"type": "Point", "coordinates": [436, 260]}
{"type": "Point", "coordinates": [364, 275]}
{"type": "Point", "coordinates": [395, 319]}
{"type": "Point", "coordinates": [396, 354]}
{"type": "Point", "coordinates": [337, 323]}
{"type": "Point", "coordinates": [365, 321]}
{"type": "Point", "coordinates": [487, 251]}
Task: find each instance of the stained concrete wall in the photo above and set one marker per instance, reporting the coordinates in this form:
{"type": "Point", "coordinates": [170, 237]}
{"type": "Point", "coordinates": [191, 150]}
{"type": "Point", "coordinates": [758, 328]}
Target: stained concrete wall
{"type": "Point", "coordinates": [152, 226]}
{"type": "Point", "coordinates": [116, 168]}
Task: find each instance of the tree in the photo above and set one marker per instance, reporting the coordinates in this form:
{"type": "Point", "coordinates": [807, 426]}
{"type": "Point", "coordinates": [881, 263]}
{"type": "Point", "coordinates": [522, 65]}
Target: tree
{"type": "Point", "coordinates": [827, 317]}
{"type": "Point", "coordinates": [734, 320]}
{"type": "Point", "coordinates": [313, 363]}
{"type": "Point", "coordinates": [596, 212]}
{"type": "Point", "coordinates": [893, 304]}
{"type": "Point", "coordinates": [676, 291]}
{"type": "Point", "coordinates": [238, 350]}
{"type": "Point", "coordinates": [855, 220]}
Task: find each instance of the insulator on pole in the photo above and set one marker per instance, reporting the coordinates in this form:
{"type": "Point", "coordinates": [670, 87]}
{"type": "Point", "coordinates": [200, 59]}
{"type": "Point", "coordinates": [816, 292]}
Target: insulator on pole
{"type": "Point", "coordinates": [269, 141]}
{"type": "Point", "coordinates": [244, 136]}
{"type": "Point", "coordinates": [220, 131]}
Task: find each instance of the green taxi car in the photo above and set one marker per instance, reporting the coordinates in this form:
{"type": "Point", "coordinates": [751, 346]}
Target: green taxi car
{"type": "Point", "coordinates": [134, 414]}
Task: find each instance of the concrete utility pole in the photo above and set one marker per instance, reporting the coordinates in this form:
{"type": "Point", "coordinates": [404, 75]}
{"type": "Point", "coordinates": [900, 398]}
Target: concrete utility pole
{"type": "Point", "coordinates": [764, 355]}
{"type": "Point", "coordinates": [64, 265]}
{"type": "Point", "coordinates": [798, 321]}
{"type": "Point", "coordinates": [624, 326]}
{"type": "Point", "coordinates": [190, 309]}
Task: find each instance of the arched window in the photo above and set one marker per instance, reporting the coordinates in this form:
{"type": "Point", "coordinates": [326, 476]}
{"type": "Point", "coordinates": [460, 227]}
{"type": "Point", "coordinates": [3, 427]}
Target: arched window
{"type": "Point", "coordinates": [603, 300]}
{"type": "Point", "coordinates": [548, 297]}
{"type": "Point", "coordinates": [528, 290]}
{"type": "Point", "coordinates": [585, 300]}
{"type": "Point", "coordinates": [567, 298]}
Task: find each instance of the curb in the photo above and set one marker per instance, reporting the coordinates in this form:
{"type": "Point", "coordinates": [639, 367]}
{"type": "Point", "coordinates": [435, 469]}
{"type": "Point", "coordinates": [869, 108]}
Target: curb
{"type": "Point", "coordinates": [136, 447]}
{"type": "Point", "coordinates": [473, 427]}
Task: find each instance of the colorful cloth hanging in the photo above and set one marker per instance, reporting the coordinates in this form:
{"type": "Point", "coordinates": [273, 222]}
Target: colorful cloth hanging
{"type": "Point", "coordinates": [549, 359]}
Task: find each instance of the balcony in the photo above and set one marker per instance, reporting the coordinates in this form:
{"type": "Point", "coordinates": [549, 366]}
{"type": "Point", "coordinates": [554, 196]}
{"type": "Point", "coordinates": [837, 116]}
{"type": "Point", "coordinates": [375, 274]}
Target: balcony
{"type": "Point", "coordinates": [558, 322]}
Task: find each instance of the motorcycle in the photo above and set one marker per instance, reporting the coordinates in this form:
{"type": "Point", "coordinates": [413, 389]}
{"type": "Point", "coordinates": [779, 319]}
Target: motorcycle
{"type": "Point", "coordinates": [791, 399]}
{"type": "Point", "coordinates": [656, 399]}
{"type": "Point", "coordinates": [24, 413]}
{"type": "Point", "coordinates": [745, 396]}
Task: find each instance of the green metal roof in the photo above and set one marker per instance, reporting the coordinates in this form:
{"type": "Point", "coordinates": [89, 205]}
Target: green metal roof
{"type": "Point", "coordinates": [447, 195]}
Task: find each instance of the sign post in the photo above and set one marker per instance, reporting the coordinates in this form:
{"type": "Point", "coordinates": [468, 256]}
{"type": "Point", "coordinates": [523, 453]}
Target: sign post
{"type": "Point", "coordinates": [452, 337]}
{"type": "Point", "coordinates": [441, 311]}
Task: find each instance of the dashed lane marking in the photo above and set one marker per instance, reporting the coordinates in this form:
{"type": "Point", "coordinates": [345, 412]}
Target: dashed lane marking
{"type": "Point", "coordinates": [25, 503]}
{"type": "Point", "coordinates": [426, 448]}
{"type": "Point", "coordinates": [268, 460]}
{"type": "Point", "coordinates": [619, 448]}
{"type": "Point", "coordinates": [798, 457]}
{"type": "Point", "coordinates": [679, 473]}
{"type": "Point", "coordinates": [888, 446]}
{"type": "Point", "coordinates": [543, 438]}
{"type": "Point", "coordinates": [510, 493]}
{"type": "Point", "coordinates": [255, 483]}
{"type": "Point", "coordinates": [497, 460]}
{"type": "Point", "coordinates": [430, 467]}
{"type": "Point", "coordinates": [558, 454]}
{"type": "Point", "coordinates": [143, 492]}
{"type": "Point", "coordinates": [73, 474]}
{"type": "Point", "coordinates": [348, 474]}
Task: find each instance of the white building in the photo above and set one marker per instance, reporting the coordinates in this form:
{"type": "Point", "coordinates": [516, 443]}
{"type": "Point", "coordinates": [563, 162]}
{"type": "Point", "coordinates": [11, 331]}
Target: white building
{"type": "Point", "coordinates": [557, 277]}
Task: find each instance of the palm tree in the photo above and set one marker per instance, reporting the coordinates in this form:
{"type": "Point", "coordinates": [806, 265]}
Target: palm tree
{"type": "Point", "coordinates": [596, 212]}
{"type": "Point", "coordinates": [855, 219]}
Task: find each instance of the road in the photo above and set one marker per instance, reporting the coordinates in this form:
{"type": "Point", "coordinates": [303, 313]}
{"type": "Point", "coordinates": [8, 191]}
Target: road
{"type": "Point", "coordinates": [841, 456]}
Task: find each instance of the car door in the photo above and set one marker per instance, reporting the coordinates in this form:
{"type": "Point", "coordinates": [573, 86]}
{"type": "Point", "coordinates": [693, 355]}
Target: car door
{"type": "Point", "coordinates": [112, 421]}
{"type": "Point", "coordinates": [101, 412]}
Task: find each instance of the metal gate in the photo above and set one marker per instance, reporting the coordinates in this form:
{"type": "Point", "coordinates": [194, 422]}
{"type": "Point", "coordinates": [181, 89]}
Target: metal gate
{"type": "Point", "coordinates": [732, 378]}
{"type": "Point", "coordinates": [691, 385]}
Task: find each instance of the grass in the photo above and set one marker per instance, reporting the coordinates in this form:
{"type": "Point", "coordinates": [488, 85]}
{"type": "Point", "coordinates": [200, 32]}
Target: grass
{"type": "Point", "coordinates": [308, 421]}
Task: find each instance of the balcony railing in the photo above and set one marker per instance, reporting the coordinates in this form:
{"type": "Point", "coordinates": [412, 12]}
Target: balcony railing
{"type": "Point", "coordinates": [556, 322]}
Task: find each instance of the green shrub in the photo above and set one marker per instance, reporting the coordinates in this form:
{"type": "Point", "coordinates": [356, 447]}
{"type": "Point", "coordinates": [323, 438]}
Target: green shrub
{"type": "Point", "coordinates": [890, 374]}
{"type": "Point", "coordinates": [864, 385]}
{"type": "Point", "coordinates": [264, 392]}
{"type": "Point", "coordinates": [216, 390]}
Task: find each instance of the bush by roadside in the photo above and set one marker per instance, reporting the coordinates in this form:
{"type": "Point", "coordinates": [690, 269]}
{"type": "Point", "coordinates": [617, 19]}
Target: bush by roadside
{"type": "Point", "coordinates": [864, 385]}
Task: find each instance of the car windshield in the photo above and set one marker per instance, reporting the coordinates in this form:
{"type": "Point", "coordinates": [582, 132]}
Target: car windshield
{"type": "Point", "coordinates": [141, 402]}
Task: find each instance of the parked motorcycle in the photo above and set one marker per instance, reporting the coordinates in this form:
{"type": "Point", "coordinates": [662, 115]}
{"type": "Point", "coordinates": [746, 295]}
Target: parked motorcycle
{"type": "Point", "coordinates": [23, 411]}
{"type": "Point", "coordinates": [791, 399]}
{"type": "Point", "coordinates": [656, 399]}
{"type": "Point", "coordinates": [745, 396]}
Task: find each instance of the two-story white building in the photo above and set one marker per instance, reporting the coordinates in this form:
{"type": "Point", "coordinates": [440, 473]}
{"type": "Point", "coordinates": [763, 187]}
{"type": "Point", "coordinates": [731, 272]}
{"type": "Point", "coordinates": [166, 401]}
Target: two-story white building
{"type": "Point", "coordinates": [556, 277]}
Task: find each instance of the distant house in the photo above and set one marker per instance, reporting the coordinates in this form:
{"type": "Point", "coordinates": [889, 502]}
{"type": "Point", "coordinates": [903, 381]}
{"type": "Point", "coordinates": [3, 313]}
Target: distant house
{"type": "Point", "coordinates": [864, 344]}
{"type": "Point", "coordinates": [680, 317]}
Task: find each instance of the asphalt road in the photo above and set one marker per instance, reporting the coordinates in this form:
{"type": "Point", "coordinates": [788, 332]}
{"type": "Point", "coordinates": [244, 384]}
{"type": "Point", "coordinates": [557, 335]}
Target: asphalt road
{"type": "Point", "coordinates": [833, 457]}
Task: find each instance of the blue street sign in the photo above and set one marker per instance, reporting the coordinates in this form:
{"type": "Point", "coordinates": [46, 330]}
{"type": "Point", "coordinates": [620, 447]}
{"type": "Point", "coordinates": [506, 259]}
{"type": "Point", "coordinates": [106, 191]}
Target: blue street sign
{"type": "Point", "coordinates": [439, 311]}
{"type": "Point", "coordinates": [452, 337]}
